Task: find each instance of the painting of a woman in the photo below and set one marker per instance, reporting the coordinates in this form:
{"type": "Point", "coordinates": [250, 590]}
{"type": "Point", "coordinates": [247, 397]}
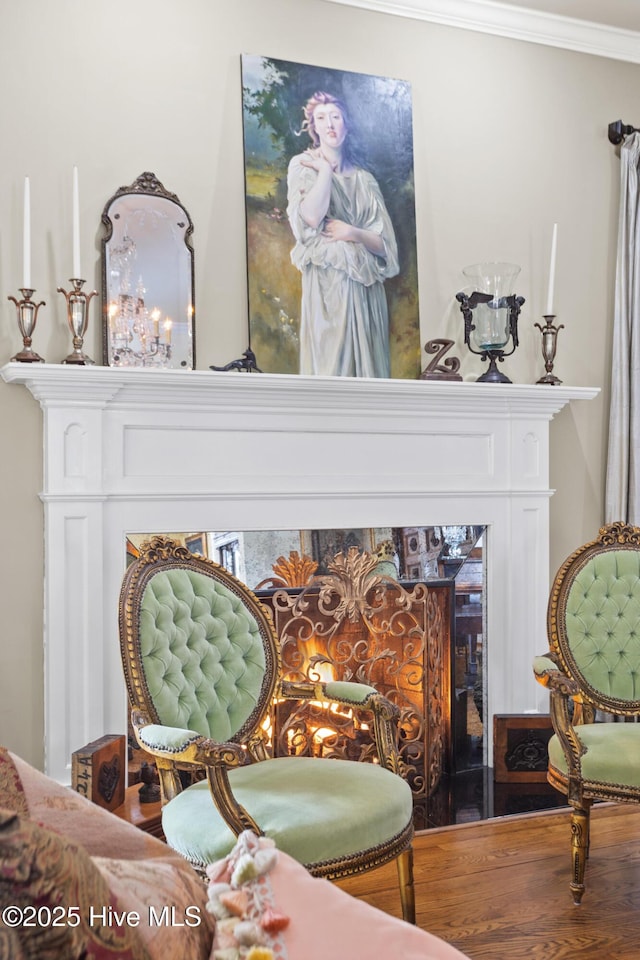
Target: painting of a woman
{"type": "Point", "coordinates": [331, 243]}
{"type": "Point", "coordinates": [345, 249]}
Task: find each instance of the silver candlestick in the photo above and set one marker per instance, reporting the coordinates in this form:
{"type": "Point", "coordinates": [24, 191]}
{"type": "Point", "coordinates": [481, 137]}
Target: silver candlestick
{"type": "Point", "coordinates": [78, 320]}
{"type": "Point", "coordinates": [549, 342]}
{"type": "Point", "coordinates": [27, 312]}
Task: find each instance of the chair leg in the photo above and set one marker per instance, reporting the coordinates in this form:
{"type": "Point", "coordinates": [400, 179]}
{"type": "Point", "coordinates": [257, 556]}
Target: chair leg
{"type": "Point", "coordinates": [579, 849]}
{"type": "Point", "coordinates": [407, 892]}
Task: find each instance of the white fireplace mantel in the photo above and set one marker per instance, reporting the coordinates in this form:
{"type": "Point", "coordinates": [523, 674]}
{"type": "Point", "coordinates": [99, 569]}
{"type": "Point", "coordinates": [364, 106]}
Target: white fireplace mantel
{"type": "Point", "coordinates": [144, 451]}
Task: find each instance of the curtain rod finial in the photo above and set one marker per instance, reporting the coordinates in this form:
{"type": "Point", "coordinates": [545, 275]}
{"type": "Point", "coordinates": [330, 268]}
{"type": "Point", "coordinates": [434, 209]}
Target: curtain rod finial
{"type": "Point", "coordinates": [618, 130]}
{"type": "Point", "coordinates": [615, 132]}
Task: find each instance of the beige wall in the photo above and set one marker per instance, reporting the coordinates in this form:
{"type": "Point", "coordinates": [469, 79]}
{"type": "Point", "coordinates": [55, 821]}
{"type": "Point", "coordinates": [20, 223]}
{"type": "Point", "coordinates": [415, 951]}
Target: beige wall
{"type": "Point", "coordinates": [509, 137]}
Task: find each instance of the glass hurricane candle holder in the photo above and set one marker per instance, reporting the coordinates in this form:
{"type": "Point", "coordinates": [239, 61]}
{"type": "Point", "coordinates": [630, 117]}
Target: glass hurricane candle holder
{"type": "Point", "coordinates": [491, 315]}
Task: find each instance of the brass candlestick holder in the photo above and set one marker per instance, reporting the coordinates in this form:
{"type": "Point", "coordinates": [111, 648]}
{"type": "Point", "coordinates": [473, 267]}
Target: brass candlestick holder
{"type": "Point", "coordinates": [549, 343]}
{"type": "Point", "coordinates": [78, 320]}
{"type": "Point", "coordinates": [27, 312]}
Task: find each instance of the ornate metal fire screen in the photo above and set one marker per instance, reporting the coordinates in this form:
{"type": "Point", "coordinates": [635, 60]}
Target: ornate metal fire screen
{"type": "Point", "coordinates": [357, 624]}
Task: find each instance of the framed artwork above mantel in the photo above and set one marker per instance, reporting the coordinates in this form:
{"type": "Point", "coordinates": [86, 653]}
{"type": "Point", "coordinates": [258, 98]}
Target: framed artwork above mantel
{"type": "Point", "coordinates": [333, 291]}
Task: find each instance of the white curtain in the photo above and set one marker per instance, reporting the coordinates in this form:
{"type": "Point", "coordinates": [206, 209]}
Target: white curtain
{"type": "Point", "coordinates": [623, 463]}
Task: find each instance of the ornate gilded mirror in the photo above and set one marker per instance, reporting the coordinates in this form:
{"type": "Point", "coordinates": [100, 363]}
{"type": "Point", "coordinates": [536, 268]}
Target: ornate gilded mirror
{"type": "Point", "coordinates": [147, 279]}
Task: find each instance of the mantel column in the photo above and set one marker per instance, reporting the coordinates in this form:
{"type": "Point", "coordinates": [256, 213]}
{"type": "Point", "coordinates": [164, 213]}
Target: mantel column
{"type": "Point", "coordinates": [74, 498]}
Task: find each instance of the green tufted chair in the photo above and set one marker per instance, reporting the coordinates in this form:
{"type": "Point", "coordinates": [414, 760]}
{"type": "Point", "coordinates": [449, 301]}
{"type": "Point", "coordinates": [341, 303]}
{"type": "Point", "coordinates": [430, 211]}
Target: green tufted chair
{"type": "Point", "coordinates": [593, 665]}
{"type": "Point", "coordinates": [201, 663]}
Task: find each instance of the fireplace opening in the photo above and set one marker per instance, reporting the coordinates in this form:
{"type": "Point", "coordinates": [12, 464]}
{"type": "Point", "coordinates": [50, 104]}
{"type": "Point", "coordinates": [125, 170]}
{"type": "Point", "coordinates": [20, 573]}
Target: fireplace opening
{"type": "Point", "coordinates": [401, 609]}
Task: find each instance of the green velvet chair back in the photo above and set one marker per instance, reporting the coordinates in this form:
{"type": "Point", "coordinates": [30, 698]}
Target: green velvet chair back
{"type": "Point", "coordinates": [205, 656]}
{"type": "Point", "coordinates": [594, 621]}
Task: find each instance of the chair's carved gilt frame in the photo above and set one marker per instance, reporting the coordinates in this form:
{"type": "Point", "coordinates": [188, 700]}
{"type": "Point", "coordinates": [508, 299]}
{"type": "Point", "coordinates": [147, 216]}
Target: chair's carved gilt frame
{"type": "Point", "coordinates": [202, 754]}
{"type": "Point", "coordinates": [574, 701]}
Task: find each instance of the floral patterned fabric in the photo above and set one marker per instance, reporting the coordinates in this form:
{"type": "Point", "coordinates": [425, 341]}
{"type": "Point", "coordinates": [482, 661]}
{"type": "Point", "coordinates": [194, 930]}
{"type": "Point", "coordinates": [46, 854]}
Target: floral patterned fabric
{"type": "Point", "coordinates": [182, 929]}
{"type": "Point", "coordinates": [44, 875]}
{"type": "Point", "coordinates": [69, 813]}
{"type": "Point", "coordinates": [112, 861]}
{"type": "Point", "coordinates": [12, 795]}
{"type": "Point", "coordinates": [10, 948]}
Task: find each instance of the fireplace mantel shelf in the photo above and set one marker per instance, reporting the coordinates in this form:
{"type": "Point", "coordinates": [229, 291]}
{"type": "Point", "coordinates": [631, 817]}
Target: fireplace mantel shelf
{"type": "Point", "coordinates": [54, 384]}
{"type": "Point", "coordinates": [157, 451]}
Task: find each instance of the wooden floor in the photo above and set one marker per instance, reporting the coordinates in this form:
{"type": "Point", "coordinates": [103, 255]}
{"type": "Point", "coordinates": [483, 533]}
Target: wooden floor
{"type": "Point", "coordinates": [499, 889]}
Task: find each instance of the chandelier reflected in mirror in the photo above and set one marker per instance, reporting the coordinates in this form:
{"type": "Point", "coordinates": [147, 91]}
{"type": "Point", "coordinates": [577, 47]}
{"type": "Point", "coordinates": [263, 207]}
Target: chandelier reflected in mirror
{"type": "Point", "coordinates": [454, 536]}
{"type": "Point", "coordinates": [147, 278]}
{"type": "Point", "coordinates": [138, 336]}
{"type": "Point", "coordinates": [135, 333]}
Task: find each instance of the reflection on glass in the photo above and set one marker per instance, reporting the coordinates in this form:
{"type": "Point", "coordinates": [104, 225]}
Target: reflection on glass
{"type": "Point", "coordinates": [264, 558]}
{"type": "Point", "coordinates": [148, 303]}
{"type": "Point", "coordinates": [288, 569]}
{"type": "Point", "coordinates": [404, 553]}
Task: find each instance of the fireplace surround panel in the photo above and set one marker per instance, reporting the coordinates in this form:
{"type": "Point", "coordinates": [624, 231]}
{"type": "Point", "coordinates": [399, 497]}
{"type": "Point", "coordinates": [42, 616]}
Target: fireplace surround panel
{"type": "Point", "coordinates": [139, 450]}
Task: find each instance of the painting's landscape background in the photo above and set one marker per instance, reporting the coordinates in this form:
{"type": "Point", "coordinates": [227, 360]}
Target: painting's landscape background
{"type": "Point", "coordinates": [380, 113]}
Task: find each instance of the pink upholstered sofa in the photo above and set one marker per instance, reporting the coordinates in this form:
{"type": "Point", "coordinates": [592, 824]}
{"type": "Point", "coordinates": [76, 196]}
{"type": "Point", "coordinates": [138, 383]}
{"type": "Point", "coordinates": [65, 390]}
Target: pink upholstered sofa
{"type": "Point", "coordinates": [77, 882]}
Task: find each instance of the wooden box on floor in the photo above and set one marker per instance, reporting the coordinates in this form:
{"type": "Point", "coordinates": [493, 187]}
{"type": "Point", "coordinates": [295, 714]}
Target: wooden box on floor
{"type": "Point", "coordinates": [98, 771]}
{"type": "Point", "coordinates": [520, 742]}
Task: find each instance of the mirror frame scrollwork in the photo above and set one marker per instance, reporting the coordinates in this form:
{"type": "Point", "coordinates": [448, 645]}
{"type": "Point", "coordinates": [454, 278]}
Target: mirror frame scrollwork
{"type": "Point", "coordinates": [148, 185]}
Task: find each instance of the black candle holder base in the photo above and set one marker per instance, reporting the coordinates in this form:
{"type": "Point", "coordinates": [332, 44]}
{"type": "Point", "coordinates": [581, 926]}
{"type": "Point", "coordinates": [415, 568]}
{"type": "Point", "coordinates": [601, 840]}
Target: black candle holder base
{"type": "Point", "coordinates": [550, 379]}
{"type": "Point", "coordinates": [493, 375]}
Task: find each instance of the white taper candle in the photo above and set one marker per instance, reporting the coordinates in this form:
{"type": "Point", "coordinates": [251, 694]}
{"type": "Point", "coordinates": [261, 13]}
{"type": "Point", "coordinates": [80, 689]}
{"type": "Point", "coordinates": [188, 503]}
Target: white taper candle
{"type": "Point", "coordinates": [552, 271]}
{"type": "Point", "coordinates": [26, 237]}
{"type": "Point", "coordinates": [76, 227]}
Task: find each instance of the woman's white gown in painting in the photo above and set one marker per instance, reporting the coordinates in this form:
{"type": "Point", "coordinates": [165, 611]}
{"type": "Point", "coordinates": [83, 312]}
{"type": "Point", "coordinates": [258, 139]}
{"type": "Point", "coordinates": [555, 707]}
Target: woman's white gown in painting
{"type": "Point", "coordinates": [344, 321]}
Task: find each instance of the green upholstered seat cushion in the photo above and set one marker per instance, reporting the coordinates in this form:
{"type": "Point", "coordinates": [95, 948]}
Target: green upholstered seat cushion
{"type": "Point", "coordinates": [603, 623]}
{"type": "Point", "coordinates": [612, 753]}
{"type": "Point", "coordinates": [315, 810]}
{"type": "Point", "coordinates": [203, 653]}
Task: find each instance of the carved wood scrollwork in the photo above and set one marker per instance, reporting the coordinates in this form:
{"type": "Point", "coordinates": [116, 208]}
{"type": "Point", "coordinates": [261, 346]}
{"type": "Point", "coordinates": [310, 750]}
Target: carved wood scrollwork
{"type": "Point", "coordinates": [619, 532]}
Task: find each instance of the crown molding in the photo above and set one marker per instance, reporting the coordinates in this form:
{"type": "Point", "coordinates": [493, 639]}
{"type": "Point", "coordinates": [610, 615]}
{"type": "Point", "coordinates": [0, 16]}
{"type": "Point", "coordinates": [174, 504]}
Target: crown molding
{"type": "Point", "coordinates": [517, 23]}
